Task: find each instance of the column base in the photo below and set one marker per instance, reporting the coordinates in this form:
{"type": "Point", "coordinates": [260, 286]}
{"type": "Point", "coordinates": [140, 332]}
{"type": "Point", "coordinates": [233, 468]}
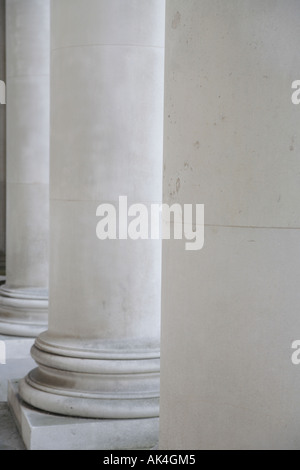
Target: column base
{"type": "Point", "coordinates": [23, 312]}
{"type": "Point", "coordinates": [42, 431]}
{"type": "Point", "coordinates": [93, 383]}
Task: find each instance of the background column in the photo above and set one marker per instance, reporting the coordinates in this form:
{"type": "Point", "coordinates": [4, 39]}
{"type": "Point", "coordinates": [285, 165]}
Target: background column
{"type": "Point", "coordinates": [2, 144]}
{"type": "Point", "coordinates": [23, 300]}
{"type": "Point", "coordinates": [231, 311]}
{"type": "Point", "coordinates": [100, 356]}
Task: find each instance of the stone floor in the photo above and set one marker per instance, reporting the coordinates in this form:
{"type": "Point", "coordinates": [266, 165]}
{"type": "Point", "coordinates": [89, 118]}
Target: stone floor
{"type": "Point", "coordinates": [9, 436]}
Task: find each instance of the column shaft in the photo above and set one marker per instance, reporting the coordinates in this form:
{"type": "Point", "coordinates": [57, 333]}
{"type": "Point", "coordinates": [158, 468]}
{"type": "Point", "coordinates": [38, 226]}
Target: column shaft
{"type": "Point", "coordinates": [23, 300]}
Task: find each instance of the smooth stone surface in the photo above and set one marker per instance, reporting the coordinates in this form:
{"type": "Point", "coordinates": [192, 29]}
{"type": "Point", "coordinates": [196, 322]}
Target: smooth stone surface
{"type": "Point", "coordinates": [9, 436]}
{"type": "Point", "coordinates": [231, 311]}
{"type": "Point", "coordinates": [16, 347]}
{"type": "Point", "coordinates": [28, 126]}
{"type": "Point", "coordinates": [231, 130]}
{"type": "Point", "coordinates": [235, 366]}
{"type": "Point", "coordinates": [117, 298]}
{"type": "Point", "coordinates": [111, 132]}
{"type": "Point", "coordinates": [27, 252]}
{"type": "Point", "coordinates": [28, 90]}
{"type": "Point", "coordinates": [13, 369]}
{"type": "Point", "coordinates": [42, 431]}
{"type": "Point", "coordinates": [112, 23]}
{"type": "Point", "coordinates": [121, 119]}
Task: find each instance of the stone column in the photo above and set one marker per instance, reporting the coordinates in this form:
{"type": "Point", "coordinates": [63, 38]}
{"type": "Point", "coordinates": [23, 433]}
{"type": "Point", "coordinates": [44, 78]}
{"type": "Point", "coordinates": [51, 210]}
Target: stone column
{"type": "Point", "coordinates": [230, 312]}
{"type": "Point", "coordinates": [2, 144]}
{"type": "Point", "coordinates": [100, 355]}
{"type": "Point", "coordinates": [23, 300]}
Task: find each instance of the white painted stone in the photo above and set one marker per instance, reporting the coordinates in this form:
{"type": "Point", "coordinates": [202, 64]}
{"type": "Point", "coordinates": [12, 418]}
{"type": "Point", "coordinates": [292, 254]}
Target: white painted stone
{"type": "Point", "coordinates": [119, 22]}
{"type": "Point", "coordinates": [24, 298]}
{"type": "Point", "coordinates": [231, 311]}
{"type": "Point", "coordinates": [14, 369]}
{"type": "Point", "coordinates": [17, 347]}
{"type": "Point", "coordinates": [18, 361]}
{"type": "Point", "coordinates": [100, 356]}
{"type": "Point", "coordinates": [41, 431]}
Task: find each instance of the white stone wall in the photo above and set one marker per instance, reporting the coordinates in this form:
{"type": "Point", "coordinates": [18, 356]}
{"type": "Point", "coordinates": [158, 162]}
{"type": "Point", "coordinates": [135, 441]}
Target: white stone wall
{"type": "Point", "coordinates": [231, 311]}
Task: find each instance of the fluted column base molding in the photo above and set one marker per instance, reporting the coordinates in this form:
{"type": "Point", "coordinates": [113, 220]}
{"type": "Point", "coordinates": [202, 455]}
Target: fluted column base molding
{"type": "Point", "coordinates": [107, 382]}
{"type": "Point", "coordinates": [23, 312]}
